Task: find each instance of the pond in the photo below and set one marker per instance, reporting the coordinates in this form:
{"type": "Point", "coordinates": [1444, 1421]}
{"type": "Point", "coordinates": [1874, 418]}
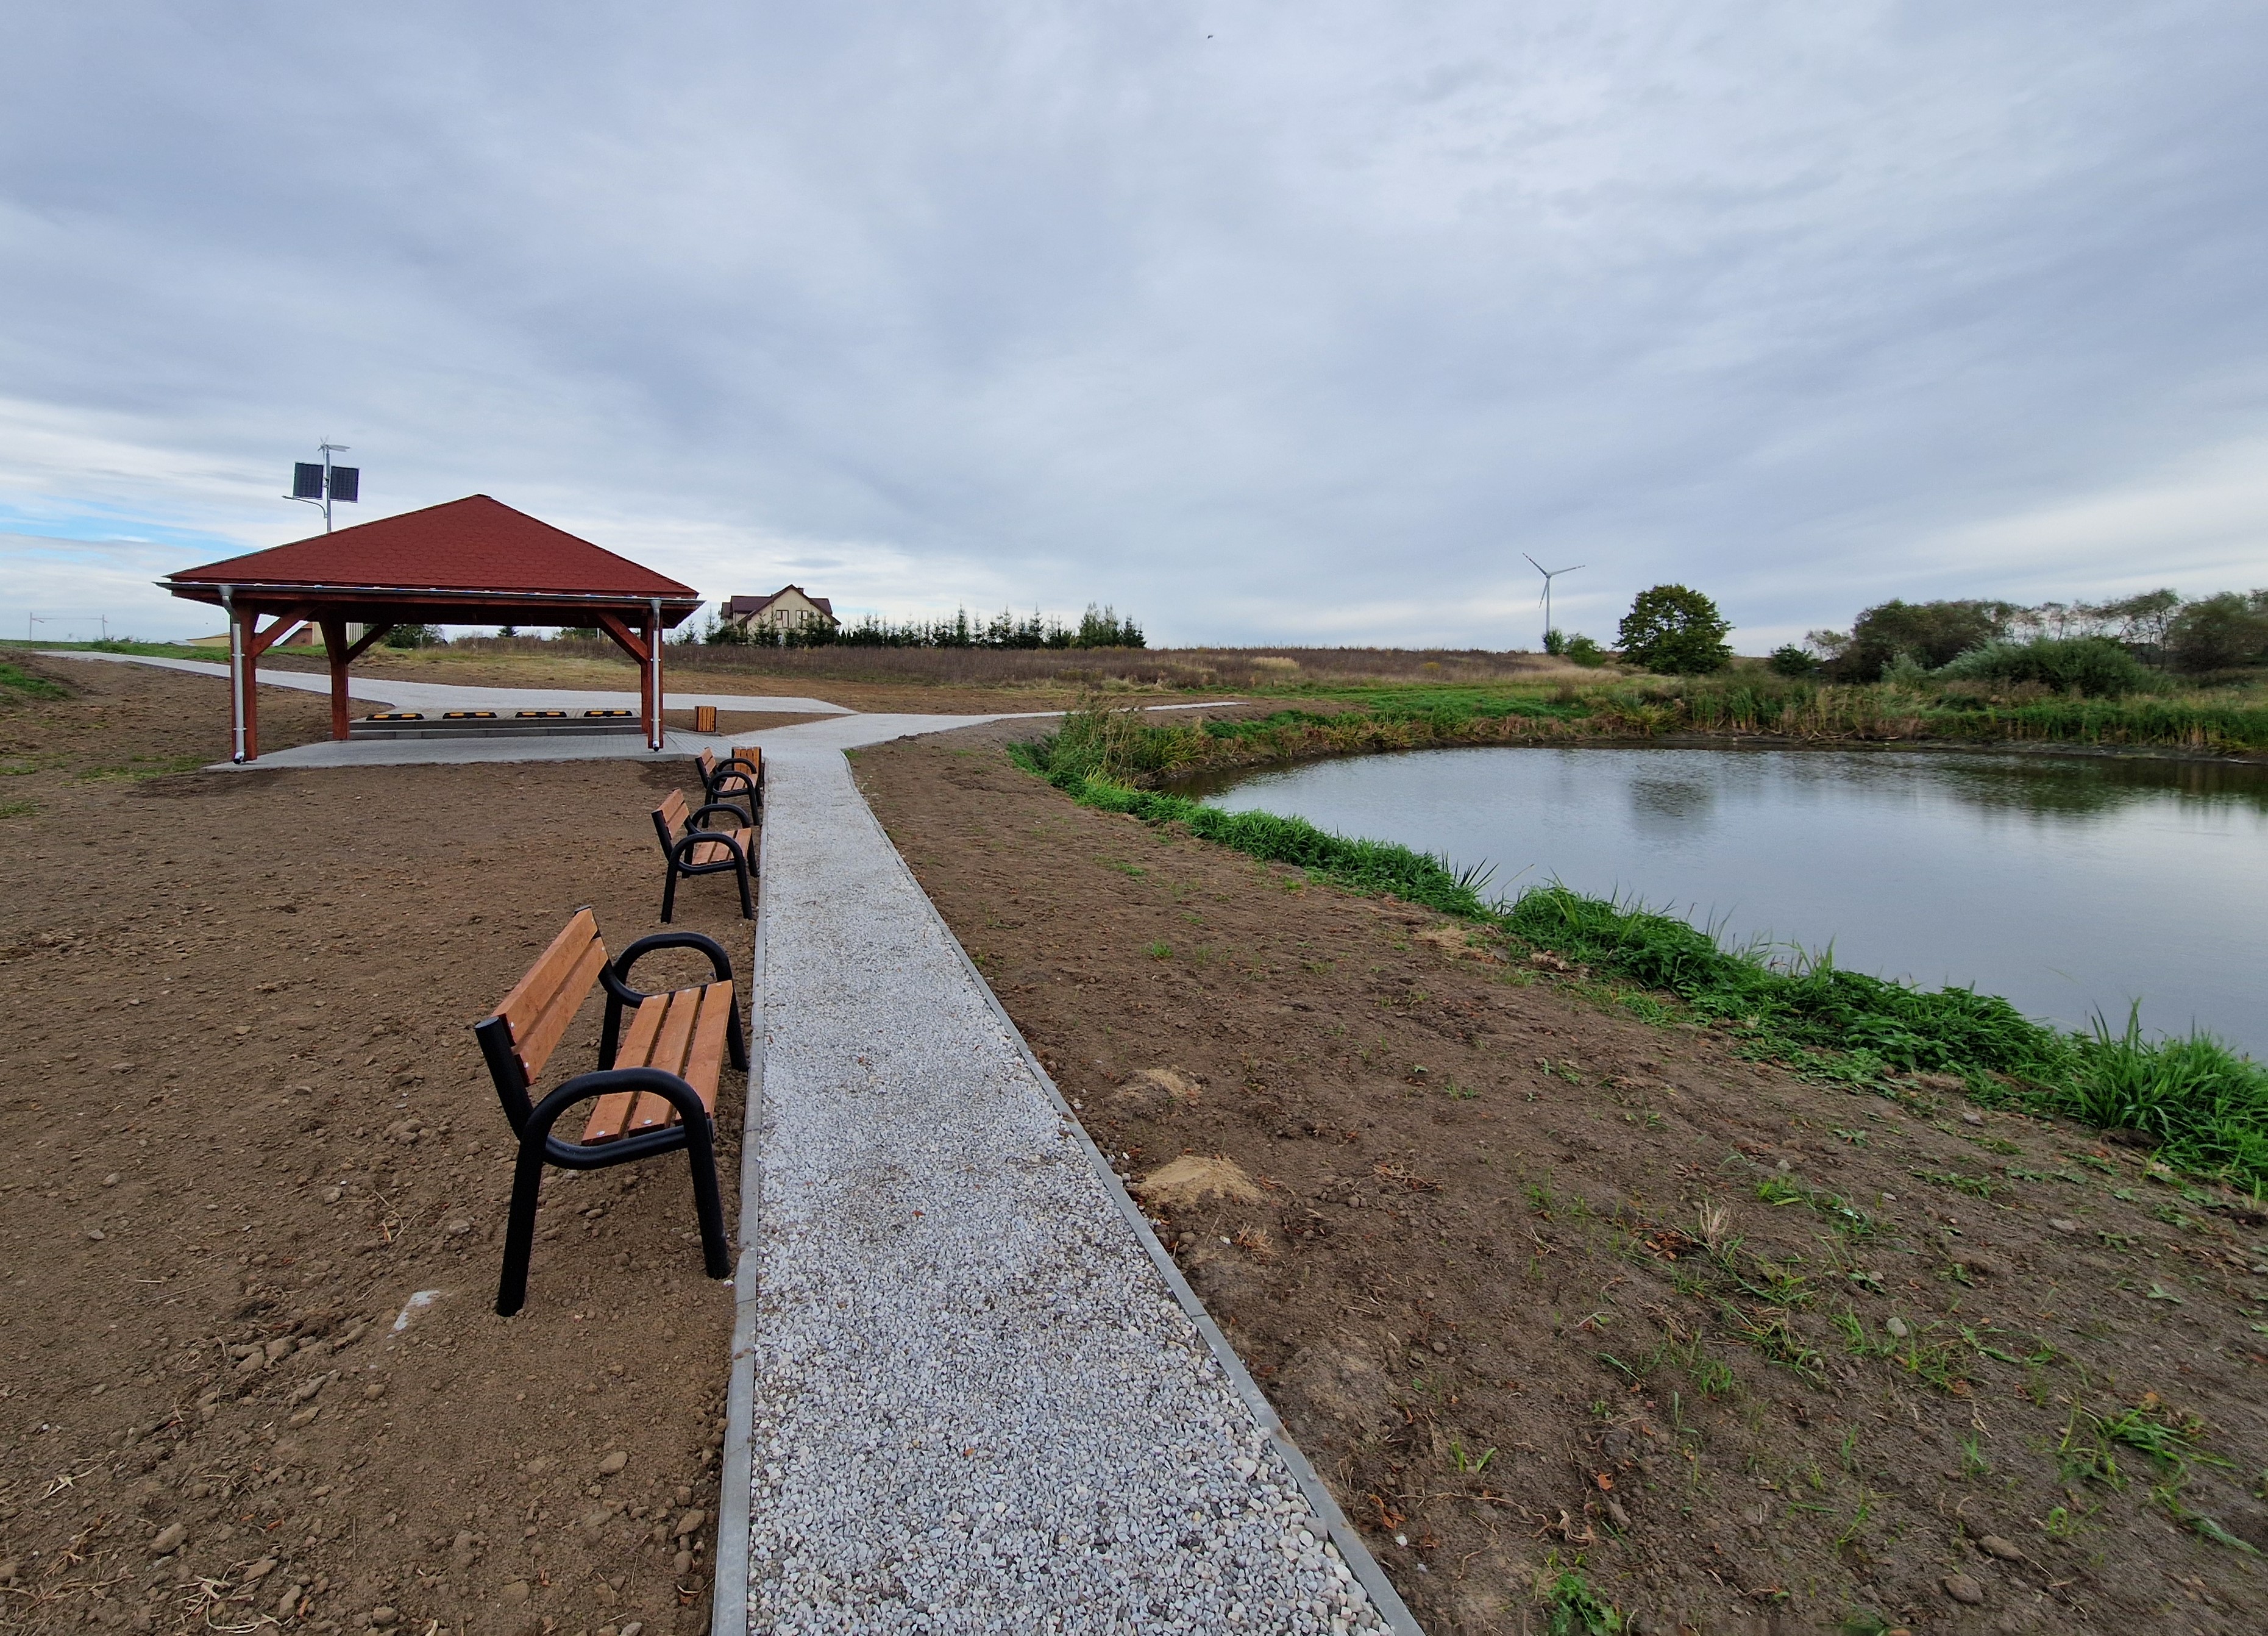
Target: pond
{"type": "Point", "coordinates": [2069, 884]}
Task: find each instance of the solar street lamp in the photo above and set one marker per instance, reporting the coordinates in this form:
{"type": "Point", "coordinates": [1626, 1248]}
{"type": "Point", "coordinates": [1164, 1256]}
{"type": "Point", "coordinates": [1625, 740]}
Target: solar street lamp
{"type": "Point", "coordinates": [320, 485]}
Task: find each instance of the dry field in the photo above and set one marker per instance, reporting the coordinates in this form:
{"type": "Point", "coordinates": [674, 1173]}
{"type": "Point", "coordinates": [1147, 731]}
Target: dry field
{"type": "Point", "coordinates": [970, 680]}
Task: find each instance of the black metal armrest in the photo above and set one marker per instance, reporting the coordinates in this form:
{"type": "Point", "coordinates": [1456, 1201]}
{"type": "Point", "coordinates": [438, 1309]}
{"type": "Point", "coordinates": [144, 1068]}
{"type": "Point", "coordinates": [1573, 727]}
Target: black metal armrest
{"type": "Point", "coordinates": [681, 856]}
{"type": "Point", "coordinates": [694, 1135]}
{"type": "Point", "coordinates": [616, 973]}
{"type": "Point", "coordinates": [582, 1088]}
{"type": "Point", "coordinates": [613, 976]}
{"type": "Point", "coordinates": [693, 821]}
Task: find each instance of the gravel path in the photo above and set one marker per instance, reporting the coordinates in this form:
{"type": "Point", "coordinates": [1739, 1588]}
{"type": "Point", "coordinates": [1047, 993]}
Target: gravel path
{"type": "Point", "coordinates": [978, 1403]}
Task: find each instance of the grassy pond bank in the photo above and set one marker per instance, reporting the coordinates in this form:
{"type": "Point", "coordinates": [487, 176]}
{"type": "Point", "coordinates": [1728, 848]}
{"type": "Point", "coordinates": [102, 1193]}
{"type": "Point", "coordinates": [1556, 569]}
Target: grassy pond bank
{"type": "Point", "coordinates": [2202, 1105]}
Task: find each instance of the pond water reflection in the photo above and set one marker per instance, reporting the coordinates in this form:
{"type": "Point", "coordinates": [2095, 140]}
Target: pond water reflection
{"type": "Point", "coordinates": [2066, 883]}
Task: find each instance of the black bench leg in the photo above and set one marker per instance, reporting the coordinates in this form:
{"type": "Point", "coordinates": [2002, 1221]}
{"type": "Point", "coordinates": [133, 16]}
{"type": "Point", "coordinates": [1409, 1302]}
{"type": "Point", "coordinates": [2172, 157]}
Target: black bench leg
{"type": "Point", "coordinates": [701, 1148]}
{"type": "Point", "coordinates": [519, 1229]}
{"type": "Point", "coordinates": [747, 907]}
{"type": "Point", "coordinates": [669, 895]}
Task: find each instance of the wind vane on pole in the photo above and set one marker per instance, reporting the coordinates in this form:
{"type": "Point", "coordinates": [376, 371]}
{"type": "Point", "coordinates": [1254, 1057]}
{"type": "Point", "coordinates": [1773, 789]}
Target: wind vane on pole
{"type": "Point", "coordinates": [1549, 574]}
{"type": "Point", "coordinates": [320, 485]}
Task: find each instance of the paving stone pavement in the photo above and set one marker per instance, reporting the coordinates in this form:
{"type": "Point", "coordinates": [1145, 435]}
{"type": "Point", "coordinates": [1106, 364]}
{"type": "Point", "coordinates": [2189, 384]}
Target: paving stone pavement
{"type": "Point", "coordinates": [978, 1397]}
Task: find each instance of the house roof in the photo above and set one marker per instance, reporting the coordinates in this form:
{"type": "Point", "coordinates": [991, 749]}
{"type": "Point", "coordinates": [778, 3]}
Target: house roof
{"type": "Point", "coordinates": [748, 607]}
{"type": "Point", "coordinates": [476, 546]}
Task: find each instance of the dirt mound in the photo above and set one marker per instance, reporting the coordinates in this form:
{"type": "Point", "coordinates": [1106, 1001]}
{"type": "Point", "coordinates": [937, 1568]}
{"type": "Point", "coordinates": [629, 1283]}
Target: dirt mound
{"type": "Point", "coordinates": [1191, 1181]}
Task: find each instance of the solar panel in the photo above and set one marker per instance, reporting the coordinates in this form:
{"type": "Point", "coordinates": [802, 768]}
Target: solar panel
{"type": "Point", "coordinates": [346, 483]}
{"type": "Point", "coordinates": [306, 481]}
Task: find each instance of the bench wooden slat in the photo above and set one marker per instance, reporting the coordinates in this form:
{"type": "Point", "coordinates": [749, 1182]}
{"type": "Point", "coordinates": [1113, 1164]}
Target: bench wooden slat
{"type": "Point", "coordinates": [535, 991]}
{"type": "Point", "coordinates": [668, 1055]}
{"type": "Point", "coordinates": [673, 810]}
{"type": "Point", "coordinates": [536, 1045]}
{"type": "Point", "coordinates": [712, 851]}
{"type": "Point", "coordinates": [681, 1033]}
{"type": "Point", "coordinates": [705, 1059]}
{"type": "Point", "coordinates": [610, 1117]}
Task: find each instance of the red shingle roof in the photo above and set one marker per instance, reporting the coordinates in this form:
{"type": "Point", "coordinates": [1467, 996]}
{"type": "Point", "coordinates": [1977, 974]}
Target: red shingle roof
{"type": "Point", "coordinates": [748, 607]}
{"type": "Point", "coordinates": [473, 544]}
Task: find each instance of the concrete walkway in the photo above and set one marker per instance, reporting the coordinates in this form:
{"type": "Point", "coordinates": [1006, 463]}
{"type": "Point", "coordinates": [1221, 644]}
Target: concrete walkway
{"type": "Point", "coordinates": [840, 733]}
{"type": "Point", "coordinates": [437, 695]}
{"type": "Point", "coordinates": [978, 1395]}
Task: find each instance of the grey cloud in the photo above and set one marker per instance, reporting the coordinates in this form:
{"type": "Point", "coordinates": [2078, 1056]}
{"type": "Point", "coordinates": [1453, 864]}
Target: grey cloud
{"type": "Point", "coordinates": [1306, 329]}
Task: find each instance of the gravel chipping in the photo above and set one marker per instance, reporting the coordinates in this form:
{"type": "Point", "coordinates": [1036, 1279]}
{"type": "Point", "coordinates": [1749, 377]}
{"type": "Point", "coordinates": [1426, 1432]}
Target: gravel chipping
{"type": "Point", "coordinates": [977, 1405]}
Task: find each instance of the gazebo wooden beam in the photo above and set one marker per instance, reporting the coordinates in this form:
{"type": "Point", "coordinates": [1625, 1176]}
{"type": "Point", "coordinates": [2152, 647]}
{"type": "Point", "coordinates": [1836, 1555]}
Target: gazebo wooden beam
{"type": "Point", "coordinates": [340, 654]}
{"type": "Point", "coordinates": [644, 647]}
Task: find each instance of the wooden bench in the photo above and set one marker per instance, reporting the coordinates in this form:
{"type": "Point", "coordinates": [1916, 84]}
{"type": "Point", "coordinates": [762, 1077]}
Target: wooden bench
{"type": "Point", "coordinates": [740, 778]}
{"type": "Point", "coordinates": [689, 848]}
{"type": "Point", "coordinates": [655, 1087]}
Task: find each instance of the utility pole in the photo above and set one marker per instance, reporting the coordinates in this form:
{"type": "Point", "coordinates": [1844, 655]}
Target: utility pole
{"type": "Point", "coordinates": [1549, 574]}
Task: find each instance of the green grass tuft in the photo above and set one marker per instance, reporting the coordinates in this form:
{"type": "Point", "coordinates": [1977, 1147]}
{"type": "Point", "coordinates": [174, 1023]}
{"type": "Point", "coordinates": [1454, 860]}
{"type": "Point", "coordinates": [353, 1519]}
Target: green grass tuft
{"type": "Point", "coordinates": [17, 683]}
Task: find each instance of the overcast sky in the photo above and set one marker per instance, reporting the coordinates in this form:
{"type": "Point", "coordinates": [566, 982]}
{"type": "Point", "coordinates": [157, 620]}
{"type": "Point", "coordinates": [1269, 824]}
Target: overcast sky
{"type": "Point", "coordinates": [1263, 323]}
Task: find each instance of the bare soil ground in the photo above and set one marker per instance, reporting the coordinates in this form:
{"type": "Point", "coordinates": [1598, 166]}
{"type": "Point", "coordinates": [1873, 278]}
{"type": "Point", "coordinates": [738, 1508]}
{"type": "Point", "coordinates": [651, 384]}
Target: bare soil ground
{"type": "Point", "coordinates": [1542, 1288]}
{"type": "Point", "coordinates": [245, 1129]}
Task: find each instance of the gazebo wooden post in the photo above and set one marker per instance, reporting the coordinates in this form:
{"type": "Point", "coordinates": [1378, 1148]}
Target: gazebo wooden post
{"type": "Point", "coordinates": [243, 671]}
{"type": "Point", "coordinates": [335, 649]}
{"type": "Point", "coordinates": [247, 643]}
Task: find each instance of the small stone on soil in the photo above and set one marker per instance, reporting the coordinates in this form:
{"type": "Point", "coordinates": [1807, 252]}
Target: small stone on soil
{"type": "Point", "coordinates": [1963, 1589]}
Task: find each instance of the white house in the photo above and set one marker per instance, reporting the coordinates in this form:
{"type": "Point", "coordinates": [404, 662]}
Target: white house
{"type": "Point", "coordinates": [768, 618]}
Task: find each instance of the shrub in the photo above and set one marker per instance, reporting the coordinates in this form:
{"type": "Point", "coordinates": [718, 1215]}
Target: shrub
{"type": "Point", "coordinates": [2219, 633]}
{"type": "Point", "coordinates": [1934, 633]}
{"type": "Point", "coordinates": [1585, 652]}
{"type": "Point", "coordinates": [1674, 631]}
{"type": "Point", "coordinates": [1791, 660]}
{"type": "Point", "coordinates": [2096, 666]}
{"type": "Point", "coordinates": [416, 636]}
{"type": "Point", "coordinates": [1904, 671]}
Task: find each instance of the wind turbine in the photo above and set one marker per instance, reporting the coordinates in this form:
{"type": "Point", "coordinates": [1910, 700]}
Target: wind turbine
{"type": "Point", "coordinates": [1549, 574]}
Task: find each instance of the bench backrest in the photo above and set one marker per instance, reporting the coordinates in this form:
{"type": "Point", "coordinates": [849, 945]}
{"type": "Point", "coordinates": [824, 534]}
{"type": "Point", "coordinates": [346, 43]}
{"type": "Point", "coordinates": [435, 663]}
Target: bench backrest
{"type": "Point", "coordinates": [751, 757]}
{"type": "Point", "coordinates": [669, 817]}
{"type": "Point", "coordinates": [536, 1014]}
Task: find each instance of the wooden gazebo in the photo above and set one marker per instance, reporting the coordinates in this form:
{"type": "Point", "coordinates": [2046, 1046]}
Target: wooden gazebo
{"type": "Point", "coordinates": [473, 561]}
